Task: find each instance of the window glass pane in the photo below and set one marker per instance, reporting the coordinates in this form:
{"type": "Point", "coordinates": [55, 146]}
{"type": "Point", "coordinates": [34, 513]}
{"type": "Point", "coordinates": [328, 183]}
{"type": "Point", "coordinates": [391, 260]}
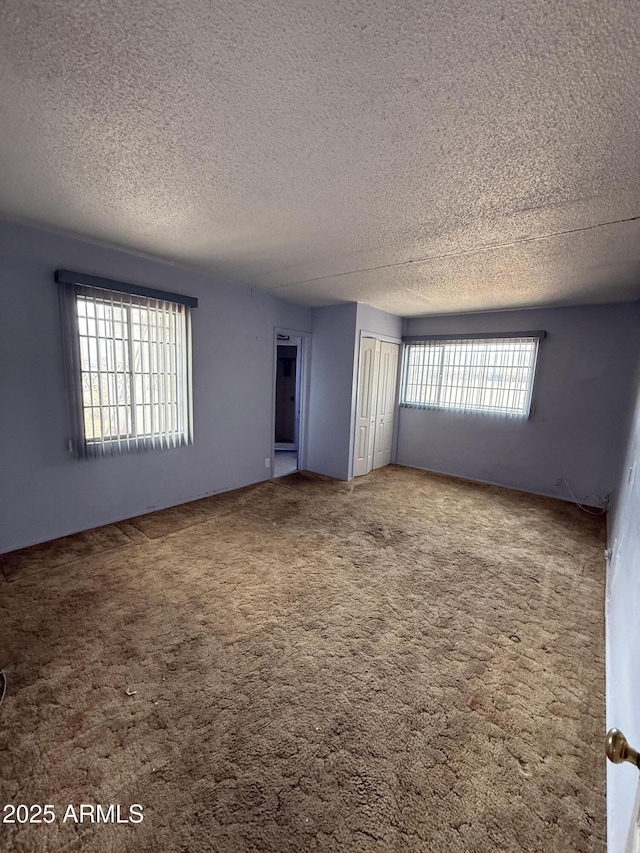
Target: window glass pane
{"type": "Point", "coordinates": [139, 415]}
{"type": "Point", "coordinates": [84, 354]}
{"type": "Point", "coordinates": [132, 374]}
{"type": "Point", "coordinates": [483, 375]}
{"type": "Point", "coordinates": [92, 358]}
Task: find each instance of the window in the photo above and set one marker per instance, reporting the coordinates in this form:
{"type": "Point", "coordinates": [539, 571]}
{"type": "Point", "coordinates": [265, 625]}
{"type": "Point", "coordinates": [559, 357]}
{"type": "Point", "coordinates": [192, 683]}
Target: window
{"type": "Point", "coordinates": [490, 375]}
{"type": "Point", "coordinates": [128, 363]}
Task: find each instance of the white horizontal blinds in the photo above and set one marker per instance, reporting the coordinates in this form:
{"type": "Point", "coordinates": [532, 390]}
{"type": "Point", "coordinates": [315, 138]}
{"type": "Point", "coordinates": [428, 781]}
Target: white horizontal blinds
{"type": "Point", "coordinates": [135, 388]}
{"type": "Point", "coordinates": [488, 375]}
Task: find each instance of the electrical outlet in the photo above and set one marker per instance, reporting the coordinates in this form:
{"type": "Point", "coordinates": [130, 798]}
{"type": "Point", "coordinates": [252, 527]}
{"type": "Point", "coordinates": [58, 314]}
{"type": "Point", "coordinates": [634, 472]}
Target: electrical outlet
{"type": "Point", "coordinates": [267, 462]}
{"type": "Point", "coordinates": [559, 481]}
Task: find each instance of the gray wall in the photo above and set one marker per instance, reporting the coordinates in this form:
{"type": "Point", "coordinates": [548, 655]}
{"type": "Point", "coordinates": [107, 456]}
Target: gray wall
{"type": "Point", "coordinates": [332, 362]}
{"type": "Point", "coordinates": [581, 402]}
{"type": "Point", "coordinates": [334, 375]}
{"type": "Point", "coordinates": [623, 633]}
{"type": "Point", "coordinates": [43, 492]}
{"type": "Point", "coordinates": [377, 322]}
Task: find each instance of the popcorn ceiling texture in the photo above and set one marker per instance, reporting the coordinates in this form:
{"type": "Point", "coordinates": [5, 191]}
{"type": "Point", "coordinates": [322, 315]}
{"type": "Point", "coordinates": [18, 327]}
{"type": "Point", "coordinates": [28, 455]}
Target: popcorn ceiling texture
{"type": "Point", "coordinates": [422, 157]}
{"type": "Point", "coordinates": [318, 666]}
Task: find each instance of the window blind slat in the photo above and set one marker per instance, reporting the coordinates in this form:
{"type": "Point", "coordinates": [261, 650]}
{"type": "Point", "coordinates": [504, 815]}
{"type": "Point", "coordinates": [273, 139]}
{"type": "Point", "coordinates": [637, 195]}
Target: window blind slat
{"type": "Point", "coordinates": [114, 378]}
{"type": "Point", "coordinates": [99, 414]}
{"type": "Point", "coordinates": [182, 366]}
{"type": "Point", "coordinates": [171, 345]}
{"type": "Point", "coordinates": [127, 376]}
{"type": "Point", "coordinates": [153, 391]}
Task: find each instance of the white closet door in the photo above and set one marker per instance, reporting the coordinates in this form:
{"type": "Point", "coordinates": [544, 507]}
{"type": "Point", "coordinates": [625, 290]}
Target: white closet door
{"type": "Point", "coordinates": [385, 403]}
{"type": "Point", "coordinates": [366, 407]}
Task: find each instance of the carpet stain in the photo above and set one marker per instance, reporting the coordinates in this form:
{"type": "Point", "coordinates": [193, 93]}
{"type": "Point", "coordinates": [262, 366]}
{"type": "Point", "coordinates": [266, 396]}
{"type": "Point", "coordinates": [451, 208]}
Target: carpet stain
{"type": "Point", "coordinates": [406, 662]}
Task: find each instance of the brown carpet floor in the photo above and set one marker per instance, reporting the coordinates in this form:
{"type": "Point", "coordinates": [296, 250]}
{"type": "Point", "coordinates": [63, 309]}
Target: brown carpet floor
{"type": "Point", "coordinates": [407, 662]}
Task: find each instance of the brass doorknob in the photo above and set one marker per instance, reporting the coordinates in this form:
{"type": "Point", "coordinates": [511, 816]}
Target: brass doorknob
{"type": "Point", "coordinates": [618, 749]}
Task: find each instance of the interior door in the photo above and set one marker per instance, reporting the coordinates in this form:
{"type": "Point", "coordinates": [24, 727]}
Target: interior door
{"type": "Point", "coordinates": [385, 403]}
{"type": "Point", "coordinates": [366, 413]}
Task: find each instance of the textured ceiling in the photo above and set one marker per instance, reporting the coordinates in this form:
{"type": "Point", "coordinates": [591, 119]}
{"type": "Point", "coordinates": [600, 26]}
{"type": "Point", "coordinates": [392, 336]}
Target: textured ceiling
{"type": "Point", "coordinates": [422, 157]}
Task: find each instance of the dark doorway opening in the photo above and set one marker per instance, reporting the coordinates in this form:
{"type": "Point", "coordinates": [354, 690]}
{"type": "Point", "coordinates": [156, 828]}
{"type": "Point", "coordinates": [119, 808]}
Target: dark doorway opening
{"type": "Point", "coordinates": [287, 414]}
{"type": "Point", "coordinates": [286, 396]}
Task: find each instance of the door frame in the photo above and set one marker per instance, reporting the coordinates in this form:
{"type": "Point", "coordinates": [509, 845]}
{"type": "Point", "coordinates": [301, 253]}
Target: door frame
{"type": "Point", "coordinates": [363, 333]}
{"type": "Point", "coordinates": [302, 392]}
